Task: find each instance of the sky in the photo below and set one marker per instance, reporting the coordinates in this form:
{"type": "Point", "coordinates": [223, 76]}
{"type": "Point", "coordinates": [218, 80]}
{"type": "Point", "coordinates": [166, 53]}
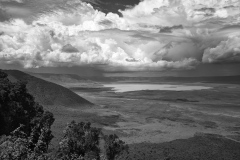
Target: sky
{"type": "Point", "coordinates": [161, 37]}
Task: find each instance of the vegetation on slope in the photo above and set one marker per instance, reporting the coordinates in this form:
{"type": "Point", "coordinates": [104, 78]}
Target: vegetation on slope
{"type": "Point", "coordinates": [26, 130]}
{"type": "Point", "coordinates": [47, 93]}
{"type": "Point", "coordinates": [23, 121]}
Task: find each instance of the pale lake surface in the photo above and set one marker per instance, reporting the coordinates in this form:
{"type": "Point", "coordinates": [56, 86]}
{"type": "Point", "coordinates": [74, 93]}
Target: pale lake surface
{"type": "Point", "coordinates": [167, 87]}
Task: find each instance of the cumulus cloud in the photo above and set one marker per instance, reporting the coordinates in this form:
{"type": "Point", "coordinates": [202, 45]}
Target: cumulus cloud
{"type": "Point", "coordinates": [55, 45]}
{"type": "Point", "coordinates": [153, 35]}
{"type": "Point", "coordinates": [177, 12]}
{"type": "Point", "coordinates": [225, 51]}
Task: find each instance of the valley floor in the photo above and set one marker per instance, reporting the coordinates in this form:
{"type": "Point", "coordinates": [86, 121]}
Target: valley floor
{"type": "Point", "coordinates": [160, 116]}
{"type": "Point", "coordinates": [157, 116]}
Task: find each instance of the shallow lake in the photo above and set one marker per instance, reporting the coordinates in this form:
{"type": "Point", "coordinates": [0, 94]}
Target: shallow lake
{"type": "Point", "coordinates": [137, 87]}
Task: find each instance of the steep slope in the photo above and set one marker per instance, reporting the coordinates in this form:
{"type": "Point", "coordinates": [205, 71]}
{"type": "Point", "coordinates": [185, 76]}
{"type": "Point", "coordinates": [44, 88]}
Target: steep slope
{"type": "Point", "coordinates": [69, 78]}
{"type": "Point", "coordinates": [60, 78]}
{"type": "Point", "coordinates": [48, 93]}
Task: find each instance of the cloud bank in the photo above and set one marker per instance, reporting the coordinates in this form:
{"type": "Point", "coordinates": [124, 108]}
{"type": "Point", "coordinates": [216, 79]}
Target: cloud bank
{"type": "Point", "coordinates": [153, 35]}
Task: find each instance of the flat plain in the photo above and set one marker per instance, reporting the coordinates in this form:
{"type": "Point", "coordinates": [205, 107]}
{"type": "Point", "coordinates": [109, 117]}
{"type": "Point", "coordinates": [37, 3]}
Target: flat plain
{"type": "Point", "coordinates": [151, 121]}
{"type": "Point", "coordinates": [160, 116]}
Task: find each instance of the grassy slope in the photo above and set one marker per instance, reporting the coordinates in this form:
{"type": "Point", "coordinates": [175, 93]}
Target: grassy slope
{"type": "Point", "coordinates": [68, 78]}
{"type": "Point", "coordinates": [47, 93]}
{"type": "Point", "coordinates": [199, 147]}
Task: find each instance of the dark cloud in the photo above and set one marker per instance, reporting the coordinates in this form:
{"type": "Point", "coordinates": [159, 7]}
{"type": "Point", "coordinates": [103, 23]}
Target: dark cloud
{"type": "Point", "coordinates": [230, 27]}
{"type": "Point", "coordinates": [169, 29]}
{"type": "Point", "coordinates": [206, 11]}
{"type": "Point", "coordinates": [209, 10]}
{"type": "Point", "coordinates": [27, 9]}
{"type": "Point", "coordinates": [113, 6]}
{"type": "Point", "coordinates": [69, 49]}
{"type": "Point", "coordinates": [132, 60]}
{"type": "Point", "coordinates": [3, 14]}
{"type": "Point", "coordinates": [106, 22]}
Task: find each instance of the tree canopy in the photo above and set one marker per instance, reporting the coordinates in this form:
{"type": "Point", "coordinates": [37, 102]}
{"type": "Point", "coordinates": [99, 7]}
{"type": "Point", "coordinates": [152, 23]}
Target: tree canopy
{"type": "Point", "coordinates": [22, 120]}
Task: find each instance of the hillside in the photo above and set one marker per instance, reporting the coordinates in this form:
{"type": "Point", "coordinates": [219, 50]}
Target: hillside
{"type": "Point", "coordinates": [64, 79]}
{"type": "Point", "coordinates": [60, 78]}
{"type": "Point", "coordinates": [48, 93]}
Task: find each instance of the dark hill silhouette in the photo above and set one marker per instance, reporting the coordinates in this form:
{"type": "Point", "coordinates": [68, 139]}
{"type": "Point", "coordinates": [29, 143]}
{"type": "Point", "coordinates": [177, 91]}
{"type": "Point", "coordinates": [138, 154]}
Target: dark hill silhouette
{"type": "Point", "coordinates": [48, 93]}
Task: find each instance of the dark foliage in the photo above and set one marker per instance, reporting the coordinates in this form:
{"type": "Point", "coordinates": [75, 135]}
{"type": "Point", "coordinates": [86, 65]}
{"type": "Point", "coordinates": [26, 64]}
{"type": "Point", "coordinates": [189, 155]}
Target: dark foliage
{"type": "Point", "coordinates": [23, 121]}
{"type": "Point", "coordinates": [17, 146]}
{"type": "Point", "coordinates": [114, 146]}
{"type": "Point", "coordinates": [80, 140]}
{"type": "Point", "coordinates": [17, 106]}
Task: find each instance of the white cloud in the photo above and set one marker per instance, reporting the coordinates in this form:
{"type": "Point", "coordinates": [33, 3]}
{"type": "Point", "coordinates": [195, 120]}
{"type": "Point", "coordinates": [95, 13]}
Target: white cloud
{"type": "Point", "coordinates": [185, 12]}
{"type": "Point", "coordinates": [131, 42]}
{"type": "Point", "coordinates": [225, 51]}
{"type": "Point", "coordinates": [41, 45]}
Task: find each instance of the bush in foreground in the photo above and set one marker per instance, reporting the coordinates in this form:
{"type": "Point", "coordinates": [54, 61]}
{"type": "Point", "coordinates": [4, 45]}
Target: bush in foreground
{"type": "Point", "coordinates": [114, 146]}
{"type": "Point", "coordinates": [81, 142]}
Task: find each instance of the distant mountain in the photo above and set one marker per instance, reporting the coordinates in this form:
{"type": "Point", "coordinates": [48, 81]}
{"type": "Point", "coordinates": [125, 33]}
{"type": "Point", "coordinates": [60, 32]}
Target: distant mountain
{"type": "Point", "coordinates": [48, 93]}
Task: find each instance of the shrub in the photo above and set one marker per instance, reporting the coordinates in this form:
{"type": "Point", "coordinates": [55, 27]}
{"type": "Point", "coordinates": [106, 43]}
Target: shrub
{"type": "Point", "coordinates": [114, 146]}
{"type": "Point", "coordinates": [80, 140]}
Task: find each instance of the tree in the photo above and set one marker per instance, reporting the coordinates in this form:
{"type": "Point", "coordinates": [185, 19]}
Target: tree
{"type": "Point", "coordinates": [16, 147]}
{"type": "Point", "coordinates": [114, 146]}
{"type": "Point", "coordinates": [24, 122]}
{"type": "Point", "coordinates": [81, 141]}
{"type": "Point", "coordinates": [17, 106]}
